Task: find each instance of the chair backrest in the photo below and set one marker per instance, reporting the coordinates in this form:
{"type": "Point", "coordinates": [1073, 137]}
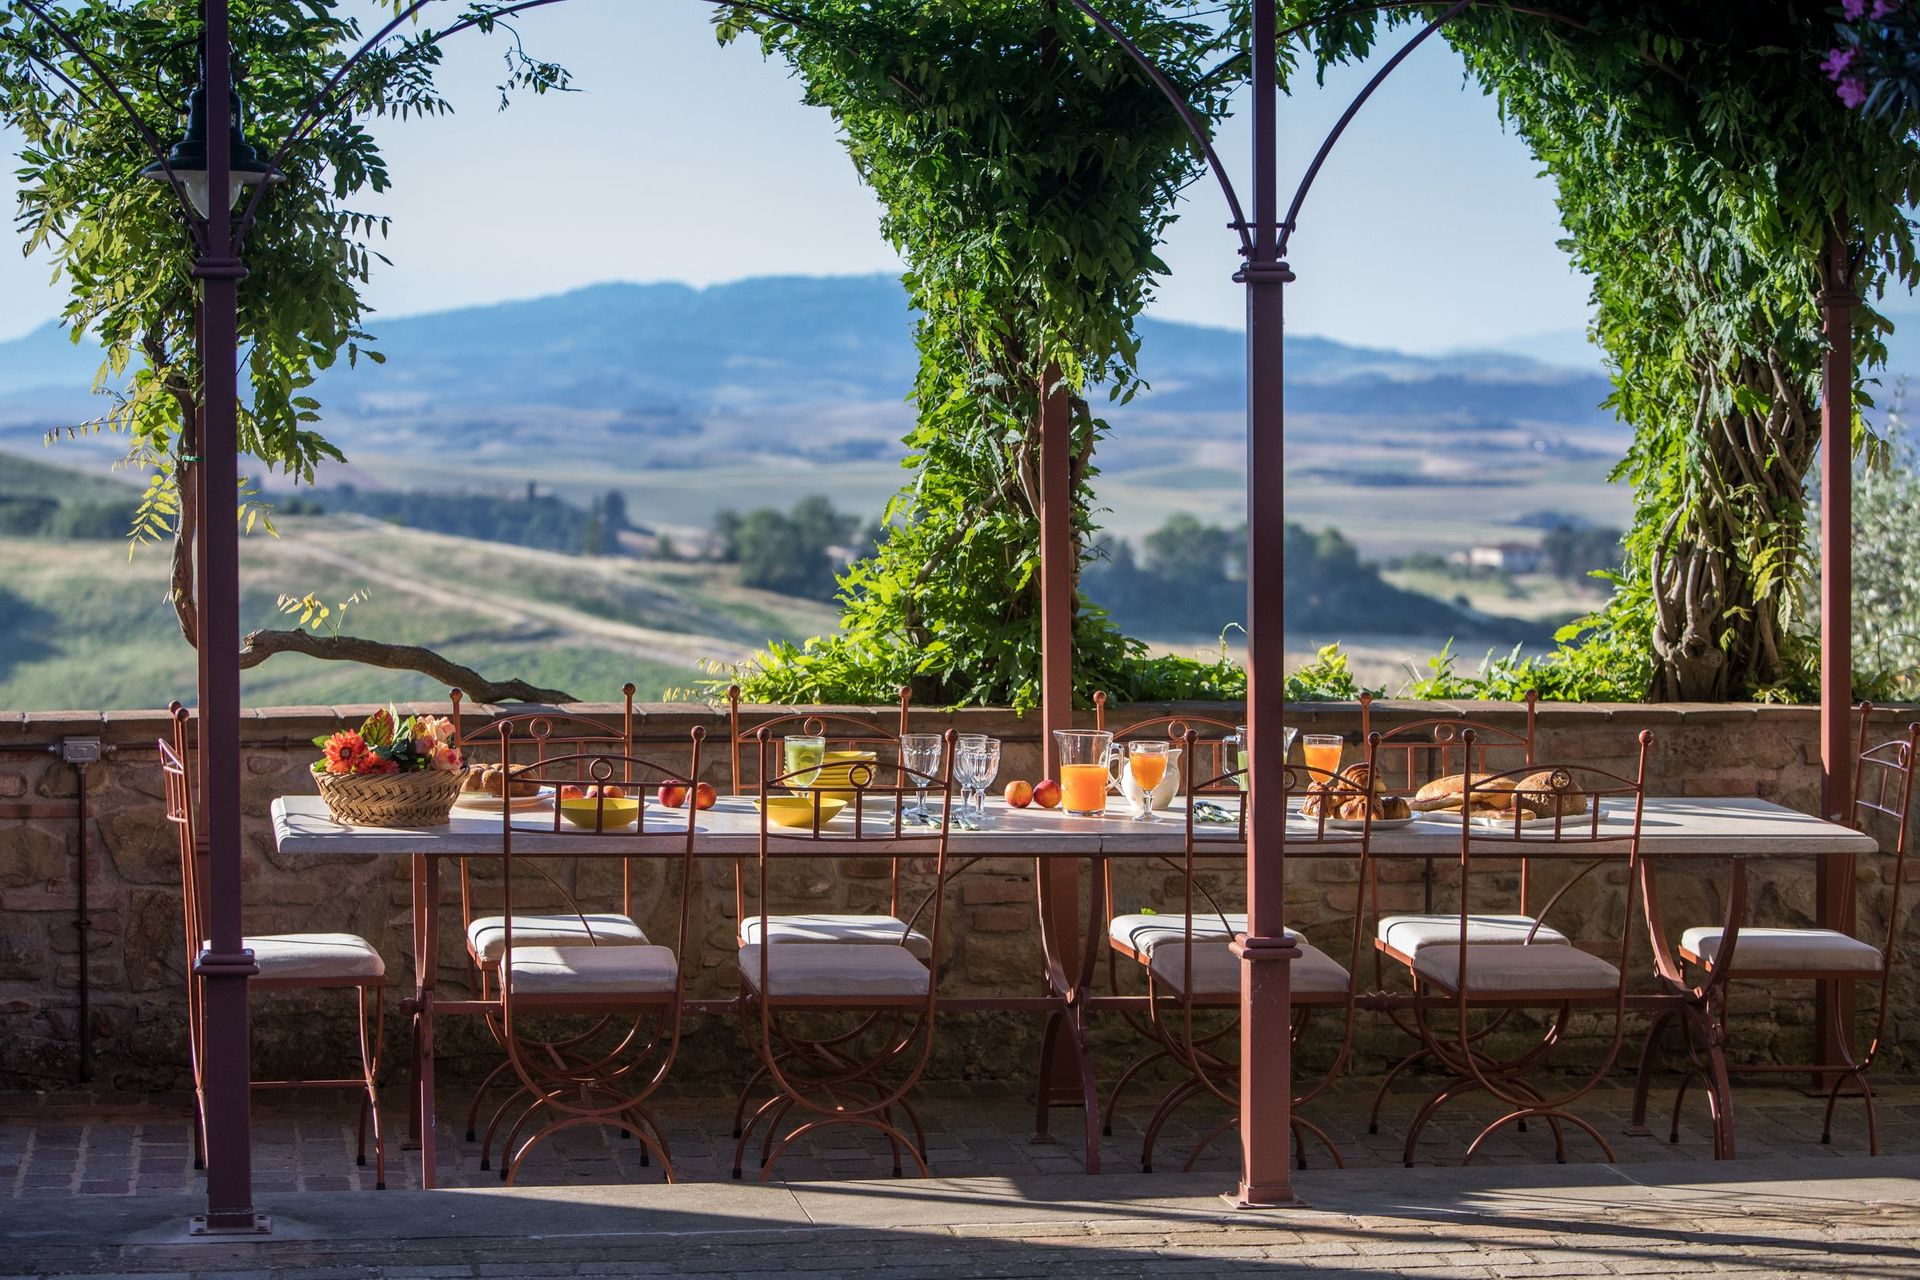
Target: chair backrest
{"type": "Point", "coordinates": [176, 769]}
{"type": "Point", "coordinates": [1412, 755]}
{"type": "Point", "coordinates": [1883, 783]}
{"type": "Point", "coordinates": [878, 796]}
{"type": "Point", "coordinates": [1580, 816]}
{"type": "Point", "coordinates": [842, 731]}
{"type": "Point", "coordinates": [1206, 755]}
{"type": "Point", "coordinates": [536, 740]}
{"type": "Point", "coordinates": [523, 838]}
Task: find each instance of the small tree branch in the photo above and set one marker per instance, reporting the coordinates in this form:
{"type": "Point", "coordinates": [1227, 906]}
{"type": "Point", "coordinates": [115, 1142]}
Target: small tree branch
{"type": "Point", "coordinates": [261, 645]}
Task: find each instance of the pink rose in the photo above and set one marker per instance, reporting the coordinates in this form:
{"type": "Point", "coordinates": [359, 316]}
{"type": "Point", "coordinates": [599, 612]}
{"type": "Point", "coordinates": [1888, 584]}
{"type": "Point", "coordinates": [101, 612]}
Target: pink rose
{"type": "Point", "coordinates": [447, 758]}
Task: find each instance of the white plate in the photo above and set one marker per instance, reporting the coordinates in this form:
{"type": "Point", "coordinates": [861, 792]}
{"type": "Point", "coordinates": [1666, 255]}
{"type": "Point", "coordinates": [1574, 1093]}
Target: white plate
{"type": "Point", "coordinates": [481, 802]}
{"type": "Point", "coordinates": [1568, 822]}
{"type": "Point", "coordinates": [1359, 824]}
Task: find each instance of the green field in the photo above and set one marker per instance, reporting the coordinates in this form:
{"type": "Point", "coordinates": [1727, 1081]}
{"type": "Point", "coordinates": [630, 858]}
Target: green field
{"type": "Point", "coordinates": [84, 627]}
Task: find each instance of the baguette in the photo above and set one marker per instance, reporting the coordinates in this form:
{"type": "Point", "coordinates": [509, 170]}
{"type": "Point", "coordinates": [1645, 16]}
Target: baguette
{"type": "Point", "coordinates": [1449, 792]}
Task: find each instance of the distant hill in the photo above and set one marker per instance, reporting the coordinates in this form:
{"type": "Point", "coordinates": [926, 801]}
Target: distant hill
{"type": "Point", "coordinates": [654, 358]}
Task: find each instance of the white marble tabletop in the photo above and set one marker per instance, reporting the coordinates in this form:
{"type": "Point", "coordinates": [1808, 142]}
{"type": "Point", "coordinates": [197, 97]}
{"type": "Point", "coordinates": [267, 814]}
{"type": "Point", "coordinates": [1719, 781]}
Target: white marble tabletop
{"type": "Point", "coordinates": [1703, 827]}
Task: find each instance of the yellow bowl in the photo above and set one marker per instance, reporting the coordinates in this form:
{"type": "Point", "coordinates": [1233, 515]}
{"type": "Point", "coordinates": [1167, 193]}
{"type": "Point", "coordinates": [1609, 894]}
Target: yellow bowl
{"type": "Point", "coordinates": [797, 811]}
{"type": "Point", "coordinates": [608, 815]}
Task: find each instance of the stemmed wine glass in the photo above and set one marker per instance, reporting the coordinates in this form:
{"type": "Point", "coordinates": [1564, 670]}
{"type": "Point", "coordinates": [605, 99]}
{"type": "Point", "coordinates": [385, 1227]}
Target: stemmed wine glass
{"type": "Point", "coordinates": [920, 756]}
{"type": "Point", "coordinates": [983, 764]}
{"type": "Point", "coordinates": [1148, 763]}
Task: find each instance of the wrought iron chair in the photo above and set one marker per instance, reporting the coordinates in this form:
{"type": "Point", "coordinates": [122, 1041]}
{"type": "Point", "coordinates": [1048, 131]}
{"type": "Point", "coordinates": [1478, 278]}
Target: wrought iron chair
{"type": "Point", "coordinates": [1205, 758]}
{"type": "Point", "coordinates": [1883, 786]}
{"type": "Point", "coordinates": [1191, 969]}
{"type": "Point", "coordinates": [849, 735]}
{"type": "Point", "coordinates": [631, 994]}
{"type": "Point", "coordinates": [1408, 757]}
{"type": "Point", "coordinates": [532, 741]}
{"type": "Point", "coordinates": [1592, 821]}
{"type": "Point", "coordinates": [843, 1029]}
{"type": "Point", "coordinates": [287, 962]}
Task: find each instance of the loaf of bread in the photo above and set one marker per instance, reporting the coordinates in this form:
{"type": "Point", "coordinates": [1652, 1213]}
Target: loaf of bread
{"type": "Point", "coordinates": [491, 779]}
{"type": "Point", "coordinates": [1489, 792]}
{"type": "Point", "coordinates": [1546, 795]}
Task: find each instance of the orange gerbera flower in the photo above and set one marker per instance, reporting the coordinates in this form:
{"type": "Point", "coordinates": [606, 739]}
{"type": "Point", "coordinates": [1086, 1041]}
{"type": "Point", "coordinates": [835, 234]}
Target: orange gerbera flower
{"type": "Point", "coordinates": [346, 752]}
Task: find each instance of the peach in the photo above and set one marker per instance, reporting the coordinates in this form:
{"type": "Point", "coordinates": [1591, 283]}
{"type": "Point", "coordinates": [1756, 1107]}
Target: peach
{"type": "Point", "coordinates": [1046, 793]}
{"type": "Point", "coordinates": [704, 795]}
{"type": "Point", "coordinates": [672, 794]}
{"type": "Point", "coordinates": [1019, 794]}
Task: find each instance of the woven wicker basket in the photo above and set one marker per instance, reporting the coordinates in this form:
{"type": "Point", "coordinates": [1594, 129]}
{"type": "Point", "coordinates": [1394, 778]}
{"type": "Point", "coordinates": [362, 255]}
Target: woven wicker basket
{"type": "Point", "coordinates": [420, 799]}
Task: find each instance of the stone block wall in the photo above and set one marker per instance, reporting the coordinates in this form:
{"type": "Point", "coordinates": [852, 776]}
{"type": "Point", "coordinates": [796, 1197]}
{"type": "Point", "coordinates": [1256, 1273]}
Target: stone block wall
{"type": "Point", "coordinates": [136, 957]}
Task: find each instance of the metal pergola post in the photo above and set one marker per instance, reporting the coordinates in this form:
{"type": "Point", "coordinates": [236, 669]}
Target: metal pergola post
{"type": "Point", "coordinates": [225, 964]}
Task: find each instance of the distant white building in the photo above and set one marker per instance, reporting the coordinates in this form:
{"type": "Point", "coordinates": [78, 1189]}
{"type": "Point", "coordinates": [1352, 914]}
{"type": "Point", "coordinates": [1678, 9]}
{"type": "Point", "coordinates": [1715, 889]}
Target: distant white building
{"type": "Point", "coordinates": [1505, 557]}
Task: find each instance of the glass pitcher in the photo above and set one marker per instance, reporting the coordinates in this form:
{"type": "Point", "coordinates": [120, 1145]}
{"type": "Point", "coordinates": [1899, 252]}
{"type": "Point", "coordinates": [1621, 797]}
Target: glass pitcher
{"type": "Point", "coordinates": [1083, 770]}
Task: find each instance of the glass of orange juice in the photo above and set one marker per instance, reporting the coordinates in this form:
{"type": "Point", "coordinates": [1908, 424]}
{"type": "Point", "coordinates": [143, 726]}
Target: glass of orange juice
{"type": "Point", "coordinates": [1148, 763]}
{"type": "Point", "coordinates": [1322, 752]}
{"type": "Point", "coordinates": [1083, 770]}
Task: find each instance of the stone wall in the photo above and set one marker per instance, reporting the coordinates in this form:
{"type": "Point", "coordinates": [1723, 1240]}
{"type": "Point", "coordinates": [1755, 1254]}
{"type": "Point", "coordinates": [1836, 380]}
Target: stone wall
{"type": "Point", "coordinates": [136, 956]}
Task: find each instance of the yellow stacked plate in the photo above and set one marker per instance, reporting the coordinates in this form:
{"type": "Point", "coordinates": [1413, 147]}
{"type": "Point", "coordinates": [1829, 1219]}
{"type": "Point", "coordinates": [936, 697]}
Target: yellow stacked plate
{"type": "Point", "coordinates": [835, 779]}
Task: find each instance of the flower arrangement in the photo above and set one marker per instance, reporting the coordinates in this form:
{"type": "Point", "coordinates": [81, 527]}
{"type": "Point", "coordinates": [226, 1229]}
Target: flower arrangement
{"type": "Point", "coordinates": [393, 771]}
{"type": "Point", "coordinates": [388, 743]}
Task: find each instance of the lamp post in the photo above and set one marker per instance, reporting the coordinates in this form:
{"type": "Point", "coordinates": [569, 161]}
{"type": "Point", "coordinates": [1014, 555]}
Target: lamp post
{"type": "Point", "coordinates": [214, 157]}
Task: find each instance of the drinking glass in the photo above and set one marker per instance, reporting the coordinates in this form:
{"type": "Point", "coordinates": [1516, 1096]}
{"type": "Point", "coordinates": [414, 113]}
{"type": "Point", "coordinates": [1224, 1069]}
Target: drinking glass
{"type": "Point", "coordinates": [805, 754]}
{"type": "Point", "coordinates": [920, 755]}
{"type": "Point", "coordinates": [1148, 763]}
{"type": "Point", "coordinates": [986, 766]}
{"type": "Point", "coordinates": [1322, 752]}
{"type": "Point", "coordinates": [961, 745]}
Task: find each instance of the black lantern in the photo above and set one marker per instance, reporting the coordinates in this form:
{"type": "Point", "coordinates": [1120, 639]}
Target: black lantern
{"type": "Point", "coordinates": [188, 157]}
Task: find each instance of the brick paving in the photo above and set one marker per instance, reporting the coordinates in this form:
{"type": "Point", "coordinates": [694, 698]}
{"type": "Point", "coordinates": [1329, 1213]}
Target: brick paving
{"type": "Point", "coordinates": [1001, 1205]}
{"type": "Point", "coordinates": [61, 1145]}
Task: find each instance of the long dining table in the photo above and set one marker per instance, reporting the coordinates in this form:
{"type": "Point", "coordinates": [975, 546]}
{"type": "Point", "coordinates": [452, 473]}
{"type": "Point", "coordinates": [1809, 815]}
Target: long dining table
{"type": "Point", "coordinates": [1738, 830]}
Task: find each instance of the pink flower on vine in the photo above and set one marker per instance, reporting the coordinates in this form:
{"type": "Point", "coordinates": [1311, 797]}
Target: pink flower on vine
{"type": "Point", "coordinates": [1853, 10]}
{"type": "Point", "coordinates": [1853, 91]}
{"type": "Point", "coordinates": [1837, 62]}
{"type": "Point", "coordinates": [1885, 8]}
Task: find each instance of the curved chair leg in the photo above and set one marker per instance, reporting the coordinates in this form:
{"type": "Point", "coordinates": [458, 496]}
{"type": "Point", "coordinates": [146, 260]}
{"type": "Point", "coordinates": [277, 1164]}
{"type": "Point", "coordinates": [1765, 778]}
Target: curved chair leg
{"type": "Point", "coordinates": [1120, 1087]}
{"type": "Point", "coordinates": [1427, 1111]}
{"type": "Point", "coordinates": [1175, 1099]}
{"type": "Point", "coordinates": [1301, 1124]}
{"type": "Point", "coordinates": [863, 1122]}
{"type": "Point", "coordinates": [1473, 1148]}
{"type": "Point", "coordinates": [479, 1095]}
{"type": "Point", "coordinates": [1643, 1076]}
{"type": "Point", "coordinates": [510, 1167]}
{"type": "Point", "coordinates": [1380, 1094]}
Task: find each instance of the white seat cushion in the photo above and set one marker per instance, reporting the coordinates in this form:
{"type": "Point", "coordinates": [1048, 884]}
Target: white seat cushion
{"type": "Point", "coordinates": [315, 957]}
{"type": "Point", "coordinates": [1138, 935]}
{"type": "Point", "coordinates": [487, 936]}
{"type": "Point", "coordinates": [1785, 950]}
{"type": "Point", "coordinates": [868, 930]}
{"type": "Point", "coordinates": [836, 970]}
{"type": "Point", "coordinates": [595, 972]}
{"type": "Point", "coordinates": [1500, 968]}
{"type": "Point", "coordinates": [1410, 935]}
{"type": "Point", "coordinates": [1216, 971]}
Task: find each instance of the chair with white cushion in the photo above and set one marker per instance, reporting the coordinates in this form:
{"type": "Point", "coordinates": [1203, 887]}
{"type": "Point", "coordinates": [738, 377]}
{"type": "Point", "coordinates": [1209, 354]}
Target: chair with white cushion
{"type": "Point", "coordinates": [555, 915]}
{"type": "Point", "coordinates": [591, 1030]}
{"type": "Point", "coordinates": [1407, 757]}
{"type": "Point", "coordinates": [847, 735]}
{"type": "Point", "coordinates": [843, 1028]}
{"type": "Point", "coordinates": [286, 961]}
{"type": "Point", "coordinates": [1883, 785]}
{"type": "Point", "coordinates": [1494, 1005]}
{"type": "Point", "coordinates": [1193, 977]}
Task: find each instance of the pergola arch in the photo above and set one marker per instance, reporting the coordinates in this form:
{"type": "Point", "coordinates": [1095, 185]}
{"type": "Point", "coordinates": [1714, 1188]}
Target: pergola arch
{"type": "Point", "coordinates": [1263, 240]}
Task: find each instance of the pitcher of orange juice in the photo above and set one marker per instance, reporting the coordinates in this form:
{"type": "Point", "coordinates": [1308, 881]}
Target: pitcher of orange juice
{"type": "Point", "coordinates": [1083, 770]}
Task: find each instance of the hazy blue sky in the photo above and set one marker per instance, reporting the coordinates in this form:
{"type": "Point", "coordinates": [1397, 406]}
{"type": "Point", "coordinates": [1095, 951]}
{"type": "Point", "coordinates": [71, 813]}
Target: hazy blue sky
{"type": "Point", "coordinates": [680, 160]}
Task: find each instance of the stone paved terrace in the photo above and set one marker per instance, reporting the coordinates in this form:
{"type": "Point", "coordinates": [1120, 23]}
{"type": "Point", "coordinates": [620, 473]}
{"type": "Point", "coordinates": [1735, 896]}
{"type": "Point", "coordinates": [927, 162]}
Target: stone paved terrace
{"type": "Point", "coordinates": [101, 1185]}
